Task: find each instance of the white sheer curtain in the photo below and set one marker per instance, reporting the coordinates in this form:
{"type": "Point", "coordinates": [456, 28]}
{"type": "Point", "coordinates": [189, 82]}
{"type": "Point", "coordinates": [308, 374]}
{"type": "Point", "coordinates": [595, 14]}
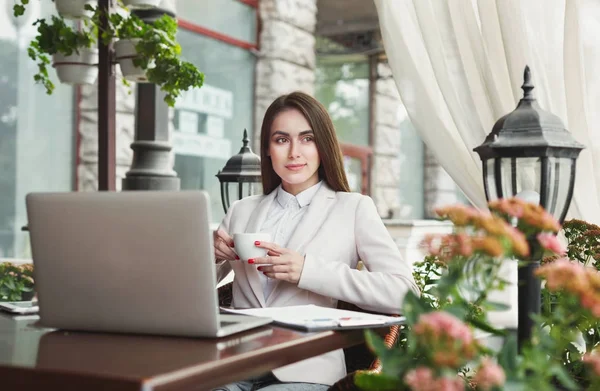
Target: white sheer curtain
{"type": "Point", "coordinates": [458, 66]}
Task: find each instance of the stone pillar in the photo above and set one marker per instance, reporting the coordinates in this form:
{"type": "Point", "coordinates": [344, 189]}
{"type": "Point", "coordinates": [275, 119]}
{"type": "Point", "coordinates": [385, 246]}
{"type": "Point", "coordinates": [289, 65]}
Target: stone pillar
{"type": "Point", "coordinates": [386, 144]}
{"type": "Point", "coordinates": [152, 168]}
{"type": "Point", "coordinates": [286, 61]}
{"type": "Point", "coordinates": [440, 189]}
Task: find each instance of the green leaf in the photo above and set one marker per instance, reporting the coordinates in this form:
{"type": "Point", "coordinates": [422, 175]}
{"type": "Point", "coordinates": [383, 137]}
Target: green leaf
{"type": "Point", "coordinates": [507, 356]}
{"type": "Point", "coordinates": [18, 10]}
{"type": "Point", "coordinates": [486, 327]}
{"type": "Point", "coordinates": [513, 385]}
{"type": "Point", "coordinates": [379, 382]}
{"type": "Point", "coordinates": [457, 309]}
{"type": "Point", "coordinates": [563, 377]}
{"type": "Point", "coordinates": [413, 307]}
{"type": "Point", "coordinates": [10, 284]}
{"type": "Point", "coordinates": [495, 306]}
{"type": "Point", "coordinates": [375, 343]}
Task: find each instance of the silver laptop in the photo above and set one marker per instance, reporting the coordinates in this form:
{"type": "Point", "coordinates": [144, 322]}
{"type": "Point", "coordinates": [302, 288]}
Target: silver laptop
{"type": "Point", "coordinates": [130, 262]}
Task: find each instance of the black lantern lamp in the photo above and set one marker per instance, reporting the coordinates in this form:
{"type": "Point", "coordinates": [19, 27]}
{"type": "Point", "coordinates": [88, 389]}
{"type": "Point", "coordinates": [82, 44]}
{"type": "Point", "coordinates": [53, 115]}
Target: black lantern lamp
{"type": "Point", "coordinates": [530, 155]}
{"type": "Point", "coordinates": [241, 171]}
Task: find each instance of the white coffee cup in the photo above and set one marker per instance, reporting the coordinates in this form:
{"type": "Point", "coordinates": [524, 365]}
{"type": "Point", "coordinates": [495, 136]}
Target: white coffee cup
{"type": "Point", "coordinates": [245, 247]}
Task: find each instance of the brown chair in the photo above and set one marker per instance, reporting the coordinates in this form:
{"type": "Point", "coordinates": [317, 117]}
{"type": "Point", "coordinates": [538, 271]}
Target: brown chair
{"type": "Point", "coordinates": [358, 358]}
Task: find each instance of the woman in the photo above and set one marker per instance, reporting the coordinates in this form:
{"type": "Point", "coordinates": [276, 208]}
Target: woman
{"type": "Point", "coordinates": [320, 232]}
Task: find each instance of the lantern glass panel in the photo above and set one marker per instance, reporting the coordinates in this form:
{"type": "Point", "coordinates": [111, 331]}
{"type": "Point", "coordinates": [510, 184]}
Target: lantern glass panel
{"type": "Point", "coordinates": [521, 176]}
{"type": "Point", "coordinates": [232, 190]}
{"type": "Point", "coordinates": [508, 176]}
{"type": "Point", "coordinates": [558, 184]}
{"type": "Point", "coordinates": [490, 180]}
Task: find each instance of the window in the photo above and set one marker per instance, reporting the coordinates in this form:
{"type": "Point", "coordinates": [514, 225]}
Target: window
{"type": "Point", "coordinates": [343, 88]}
{"type": "Point", "coordinates": [412, 157]}
{"type": "Point", "coordinates": [36, 130]}
{"type": "Point", "coordinates": [210, 121]}
{"type": "Point", "coordinates": [232, 18]}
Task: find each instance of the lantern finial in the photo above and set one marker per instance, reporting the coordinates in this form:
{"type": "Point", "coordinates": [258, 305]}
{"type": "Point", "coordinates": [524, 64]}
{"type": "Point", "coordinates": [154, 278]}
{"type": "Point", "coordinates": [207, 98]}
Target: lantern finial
{"type": "Point", "coordinates": [245, 140]}
{"type": "Point", "coordinates": [527, 86]}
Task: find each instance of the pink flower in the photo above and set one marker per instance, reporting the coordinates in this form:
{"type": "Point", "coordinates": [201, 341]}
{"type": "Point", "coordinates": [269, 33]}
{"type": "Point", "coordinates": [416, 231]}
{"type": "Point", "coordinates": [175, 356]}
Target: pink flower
{"type": "Point", "coordinates": [593, 360]}
{"type": "Point", "coordinates": [422, 379]}
{"type": "Point", "coordinates": [419, 379]}
{"type": "Point", "coordinates": [449, 340]}
{"type": "Point", "coordinates": [489, 375]}
{"type": "Point", "coordinates": [449, 384]}
{"type": "Point", "coordinates": [550, 242]}
{"type": "Point", "coordinates": [442, 323]}
{"type": "Point", "coordinates": [576, 279]}
{"type": "Point", "coordinates": [465, 247]}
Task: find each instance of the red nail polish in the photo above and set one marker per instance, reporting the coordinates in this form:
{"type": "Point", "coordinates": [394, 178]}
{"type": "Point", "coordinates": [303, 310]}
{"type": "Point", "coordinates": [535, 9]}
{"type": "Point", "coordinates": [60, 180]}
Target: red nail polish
{"type": "Point", "coordinates": [250, 260]}
{"type": "Point", "coordinates": [236, 257]}
{"type": "Point", "coordinates": [257, 243]}
{"type": "Point", "coordinates": [260, 268]}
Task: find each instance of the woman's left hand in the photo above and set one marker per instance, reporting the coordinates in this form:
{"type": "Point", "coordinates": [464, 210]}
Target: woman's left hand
{"type": "Point", "coordinates": [280, 263]}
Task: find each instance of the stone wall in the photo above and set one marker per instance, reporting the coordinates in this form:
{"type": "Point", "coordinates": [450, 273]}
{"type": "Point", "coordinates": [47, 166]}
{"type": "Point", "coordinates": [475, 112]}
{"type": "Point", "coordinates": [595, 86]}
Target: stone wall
{"type": "Point", "coordinates": [87, 170]}
{"type": "Point", "coordinates": [286, 61]}
{"type": "Point", "coordinates": [385, 171]}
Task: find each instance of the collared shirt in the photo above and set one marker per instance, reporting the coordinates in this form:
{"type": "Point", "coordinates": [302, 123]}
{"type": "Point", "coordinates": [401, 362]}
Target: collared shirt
{"type": "Point", "coordinates": [282, 220]}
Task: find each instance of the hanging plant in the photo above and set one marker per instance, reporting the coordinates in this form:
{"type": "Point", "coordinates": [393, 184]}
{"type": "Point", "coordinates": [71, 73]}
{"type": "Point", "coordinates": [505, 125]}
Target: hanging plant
{"type": "Point", "coordinates": [68, 46]}
{"type": "Point", "coordinates": [150, 53]}
{"type": "Point", "coordinates": [141, 4]}
{"type": "Point", "coordinates": [146, 52]}
{"type": "Point", "coordinates": [75, 9]}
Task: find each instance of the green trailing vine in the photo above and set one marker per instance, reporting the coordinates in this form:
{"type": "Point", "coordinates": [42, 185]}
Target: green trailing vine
{"type": "Point", "coordinates": [159, 54]}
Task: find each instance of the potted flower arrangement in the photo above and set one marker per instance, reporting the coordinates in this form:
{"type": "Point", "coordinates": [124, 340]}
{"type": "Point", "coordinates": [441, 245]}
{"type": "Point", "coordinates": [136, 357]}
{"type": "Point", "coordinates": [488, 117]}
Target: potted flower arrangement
{"type": "Point", "coordinates": [16, 282]}
{"type": "Point", "coordinates": [438, 348]}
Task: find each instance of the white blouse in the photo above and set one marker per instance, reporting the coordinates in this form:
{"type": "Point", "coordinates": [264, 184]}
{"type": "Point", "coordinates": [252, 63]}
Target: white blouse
{"type": "Point", "coordinates": [283, 219]}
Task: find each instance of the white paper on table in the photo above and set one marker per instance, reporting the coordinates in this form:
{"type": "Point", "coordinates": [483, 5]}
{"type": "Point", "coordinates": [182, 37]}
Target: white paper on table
{"type": "Point", "coordinates": [312, 317]}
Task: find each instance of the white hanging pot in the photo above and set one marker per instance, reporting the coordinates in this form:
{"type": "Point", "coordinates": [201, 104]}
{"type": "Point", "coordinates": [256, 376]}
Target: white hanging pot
{"type": "Point", "coordinates": [125, 53]}
{"type": "Point", "coordinates": [74, 9]}
{"type": "Point", "coordinates": [137, 4]}
{"type": "Point", "coordinates": [78, 68]}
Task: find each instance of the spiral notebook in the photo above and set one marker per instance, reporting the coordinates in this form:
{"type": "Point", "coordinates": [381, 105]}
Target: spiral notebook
{"type": "Point", "coordinates": [316, 318]}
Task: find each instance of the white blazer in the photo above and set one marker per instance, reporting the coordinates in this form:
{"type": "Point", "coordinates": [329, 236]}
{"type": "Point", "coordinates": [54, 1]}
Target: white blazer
{"type": "Point", "coordinates": [337, 231]}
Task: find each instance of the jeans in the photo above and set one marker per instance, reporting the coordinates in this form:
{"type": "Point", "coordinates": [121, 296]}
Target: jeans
{"type": "Point", "coordinates": [270, 383]}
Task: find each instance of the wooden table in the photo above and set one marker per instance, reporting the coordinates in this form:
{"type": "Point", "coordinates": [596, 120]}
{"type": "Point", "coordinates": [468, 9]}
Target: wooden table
{"type": "Point", "coordinates": [34, 358]}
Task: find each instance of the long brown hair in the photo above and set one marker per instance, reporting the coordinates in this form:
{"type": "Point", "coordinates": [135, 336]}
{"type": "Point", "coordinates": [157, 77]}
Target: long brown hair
{"type": "Point", "coordinates": [331, 169]}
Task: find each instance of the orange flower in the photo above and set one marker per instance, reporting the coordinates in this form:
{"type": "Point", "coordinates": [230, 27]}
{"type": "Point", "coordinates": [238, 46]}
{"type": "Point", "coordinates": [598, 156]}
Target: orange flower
{"type": "Point", "coordinates": [493, 225]}
{"type": "Point", "coordinates": [518, 241]}
{"type": "Point", "coordinates": [489, 375]}
{"type": "Point", "coordinates": [460, 215]}
{"type": "Point", "coordinates": [489, 245]}
{"type": "Point", "coordinates": [576, 279]}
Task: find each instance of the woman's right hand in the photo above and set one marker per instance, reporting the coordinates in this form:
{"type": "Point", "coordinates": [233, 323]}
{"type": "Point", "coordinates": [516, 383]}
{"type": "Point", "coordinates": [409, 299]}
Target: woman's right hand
{"type": "Point", "coordinates": [223, 244]}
